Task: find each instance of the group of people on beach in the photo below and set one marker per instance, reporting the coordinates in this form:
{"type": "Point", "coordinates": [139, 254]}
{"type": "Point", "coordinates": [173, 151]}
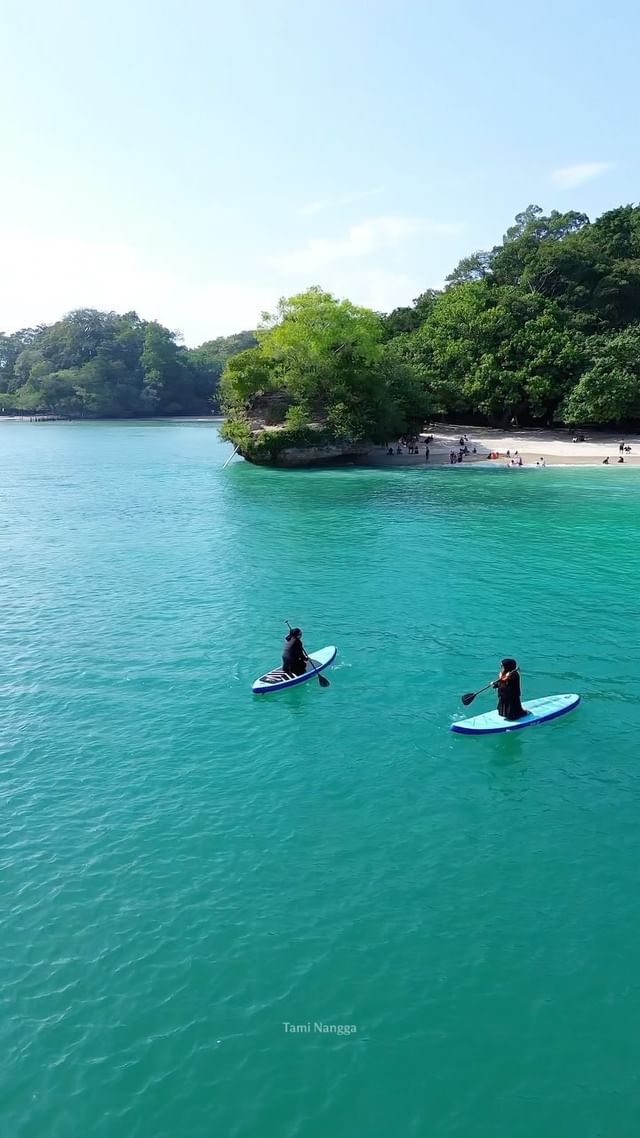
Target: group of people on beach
{"type": "Point", "coordinates": [462, 450]}
{"type": "Point", "coordinates": [623, 447]}
{"type": "Point", "coordinates": [412, 446]}
{"type": "Point", "coordinates": [517, 460]}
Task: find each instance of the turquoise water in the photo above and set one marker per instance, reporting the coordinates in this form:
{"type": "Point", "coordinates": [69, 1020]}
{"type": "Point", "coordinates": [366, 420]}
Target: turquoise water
{"type": "Point", "coordinates": [187, 868]}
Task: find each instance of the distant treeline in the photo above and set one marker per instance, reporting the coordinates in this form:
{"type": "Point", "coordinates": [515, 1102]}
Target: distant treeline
{"type": "Point", "coordinates": [543, 328]}
{"type": "Point", "coordinates": [101, 364]}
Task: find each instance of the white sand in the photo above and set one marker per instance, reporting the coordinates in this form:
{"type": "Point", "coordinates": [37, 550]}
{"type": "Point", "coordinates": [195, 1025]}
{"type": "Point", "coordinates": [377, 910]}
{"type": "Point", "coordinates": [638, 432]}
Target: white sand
{"type": "Point", "coordinates": [556, 447]}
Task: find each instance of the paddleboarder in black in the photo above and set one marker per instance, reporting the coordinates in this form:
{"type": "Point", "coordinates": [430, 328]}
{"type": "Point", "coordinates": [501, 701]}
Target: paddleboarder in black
{"type": "Point", "coordinates": [294, 657]}
{"type": "Point", "coordinates": [508, 687]}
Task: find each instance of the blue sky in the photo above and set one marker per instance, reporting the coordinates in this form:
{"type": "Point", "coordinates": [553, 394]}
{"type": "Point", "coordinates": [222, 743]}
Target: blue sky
{"type": "Point", "coordinates": [196, 160]}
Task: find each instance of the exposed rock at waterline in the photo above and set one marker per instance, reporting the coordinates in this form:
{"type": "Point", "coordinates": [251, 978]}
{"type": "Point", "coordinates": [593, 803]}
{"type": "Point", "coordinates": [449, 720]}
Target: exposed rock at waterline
{"type": "Point", "coordinates": [321, 455]}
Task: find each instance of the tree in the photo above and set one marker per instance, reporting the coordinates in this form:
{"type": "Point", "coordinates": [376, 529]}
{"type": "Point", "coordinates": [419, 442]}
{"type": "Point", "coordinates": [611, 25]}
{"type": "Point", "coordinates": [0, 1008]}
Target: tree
{"type": "Point", "coordinates": [609, 389]}
{"type": "Point", "coordinates": [522, 242]}
{"type": "Point", "coordinates": [496, 352]}
{"type": "Point", "coordinates": [475, 267]}
{"type": "Point", "coordinates": [207, 362]}
{"type": "Point", "coordinates": [410, 317]}
{"type": "Point", "coordinates": [325, 363]}
{"type": "Point", "coordinates": [616, 233]}
{"type": "Point", "coordinates": [225, 346]}
{"type": "Point", "coordinates": [447, 348]}
{"type": "Point", "coordinates": [312, 337]}
{"type": "Point", "coordinates": [246, 375]}
{"type": "Point", "coordinates": [163, 377]}
{"type": "Point", "coordinates": [102, 363]}
{"type": "Point", "coordinates": [10, 349]}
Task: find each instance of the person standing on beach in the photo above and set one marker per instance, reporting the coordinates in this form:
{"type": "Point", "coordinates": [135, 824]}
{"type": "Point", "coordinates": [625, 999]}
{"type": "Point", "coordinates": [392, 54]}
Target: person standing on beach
{"type": "Point", "coordinates": [621, 447]}
{"type": "Point", "coordinates": [426, 454]}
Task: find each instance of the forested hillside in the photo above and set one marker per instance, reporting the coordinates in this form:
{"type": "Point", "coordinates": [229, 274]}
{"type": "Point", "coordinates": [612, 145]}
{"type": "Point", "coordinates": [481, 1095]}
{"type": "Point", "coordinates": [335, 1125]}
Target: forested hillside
{"type": "Point", "coordinates": [103, 364]}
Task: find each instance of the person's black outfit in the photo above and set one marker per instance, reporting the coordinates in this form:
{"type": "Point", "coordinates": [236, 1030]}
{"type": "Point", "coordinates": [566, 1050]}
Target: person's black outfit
{"type": "Point", "coordinates": [294, 660]}
{"type": "Point", "coordinates": [509, 696]}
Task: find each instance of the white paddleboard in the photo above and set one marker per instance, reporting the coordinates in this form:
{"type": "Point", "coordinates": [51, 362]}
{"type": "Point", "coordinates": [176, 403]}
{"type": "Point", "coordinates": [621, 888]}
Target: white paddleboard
{"type": "Point", "coordinates": [277, 679]}
{"type": "Point", "coordinates": [540, 710]}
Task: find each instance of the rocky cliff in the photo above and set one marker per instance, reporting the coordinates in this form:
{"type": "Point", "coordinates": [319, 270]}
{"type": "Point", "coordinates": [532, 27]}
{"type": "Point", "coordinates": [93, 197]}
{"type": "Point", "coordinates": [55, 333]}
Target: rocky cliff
{"type": "Point", "coordinates": [321, 455]}
{"type": "Point", "coordinates": [312, 444]}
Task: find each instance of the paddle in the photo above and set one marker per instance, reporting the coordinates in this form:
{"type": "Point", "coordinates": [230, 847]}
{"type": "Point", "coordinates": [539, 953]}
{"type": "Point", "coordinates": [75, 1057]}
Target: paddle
{"type": "Point", "coordinates": [471, 695]}
{"type": "Point", "coordinates": [322, 680]}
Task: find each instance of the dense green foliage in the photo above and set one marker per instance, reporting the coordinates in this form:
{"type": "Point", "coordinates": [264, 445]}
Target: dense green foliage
{"type": "Point", "coordinates": [324, 362]}
{"type": "Point", "coordinates": [543, 328]}
{"type": "Point", "coordinates": [103, 364]}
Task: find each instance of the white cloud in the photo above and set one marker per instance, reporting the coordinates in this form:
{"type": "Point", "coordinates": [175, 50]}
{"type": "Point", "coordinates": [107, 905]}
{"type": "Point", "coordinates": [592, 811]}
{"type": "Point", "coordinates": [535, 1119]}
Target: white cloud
{"type": "Point", "coordinates": [337, 203]}
{"type": "Point", "coordinates": [380, 289]}
{"type": "Point", "coordinates": [566, 177]}
{"type": "Point", "coordinates": [367, 237]}
{"type": "Point", "coordinates": [44, 278]}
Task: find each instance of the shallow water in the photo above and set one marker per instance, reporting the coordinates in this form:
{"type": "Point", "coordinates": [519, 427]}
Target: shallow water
{"type": "Point", "coordinates": [187, 868]}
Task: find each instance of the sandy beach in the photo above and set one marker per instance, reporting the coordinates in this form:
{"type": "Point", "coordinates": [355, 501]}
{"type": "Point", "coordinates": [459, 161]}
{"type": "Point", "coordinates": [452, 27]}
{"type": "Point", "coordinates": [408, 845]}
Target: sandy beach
{"type": "Point", "coordinates": [554, 446]}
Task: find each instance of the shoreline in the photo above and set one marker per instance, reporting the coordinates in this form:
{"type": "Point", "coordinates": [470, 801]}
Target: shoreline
{"type": "Point", "coordinates": [532, 445]}
{"type": "Point", "coordinates": [215, 418]}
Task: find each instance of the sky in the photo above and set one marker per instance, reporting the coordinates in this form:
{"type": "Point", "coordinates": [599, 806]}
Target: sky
{"type": "Point", "coordinates": [196, 160]}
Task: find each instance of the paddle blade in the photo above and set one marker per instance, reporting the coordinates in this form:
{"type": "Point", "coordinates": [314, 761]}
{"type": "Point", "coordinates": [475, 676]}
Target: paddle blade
{"type": "Point", "coordinates": [468, 698]}
{"type": "Point", "coordinates": [323, 681]}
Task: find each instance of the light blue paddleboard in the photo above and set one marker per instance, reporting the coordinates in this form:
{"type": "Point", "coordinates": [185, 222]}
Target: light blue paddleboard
{"type": "Point", "coordinates": [277, 679]}
{"type": "Point", "coordinates": [540, 710]}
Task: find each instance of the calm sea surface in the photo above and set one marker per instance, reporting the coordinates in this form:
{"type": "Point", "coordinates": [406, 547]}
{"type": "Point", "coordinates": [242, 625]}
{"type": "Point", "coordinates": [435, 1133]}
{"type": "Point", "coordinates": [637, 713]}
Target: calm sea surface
{"type": "Point", "coordinates": [186, 869]}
